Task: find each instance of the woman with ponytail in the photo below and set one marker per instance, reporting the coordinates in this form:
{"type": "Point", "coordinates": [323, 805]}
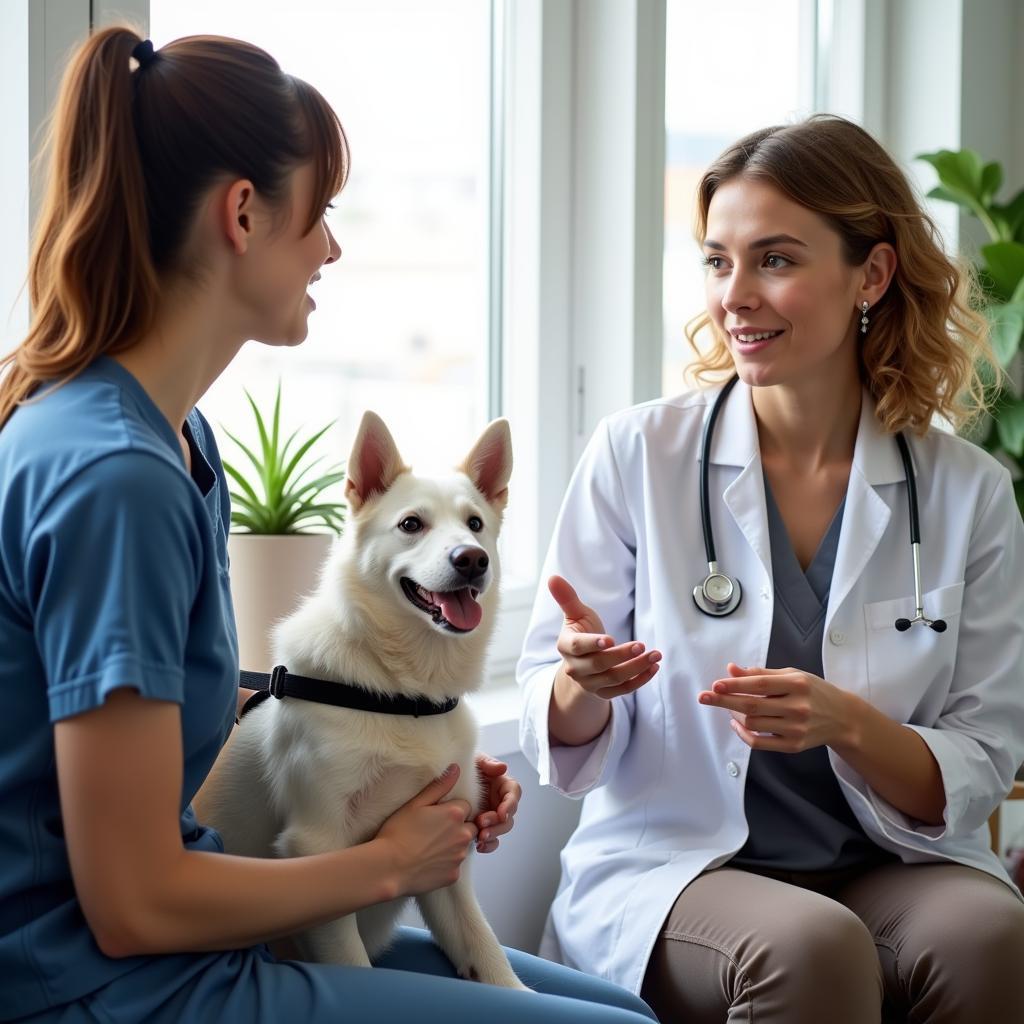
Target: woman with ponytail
{"type": "Point", "coordinates": [184, 215]}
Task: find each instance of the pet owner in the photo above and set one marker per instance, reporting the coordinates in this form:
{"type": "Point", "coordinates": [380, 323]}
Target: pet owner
{"type": "Point", "coordinates": [183, 216]}
{"type": "Point", "coordinates": [786, 789]}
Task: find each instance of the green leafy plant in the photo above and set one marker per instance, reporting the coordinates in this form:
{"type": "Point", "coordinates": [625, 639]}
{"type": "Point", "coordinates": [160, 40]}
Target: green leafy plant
{"type": "Point", "coordinates": [288, 503]}
{"type": "Point", "coordinates": [965, 179]}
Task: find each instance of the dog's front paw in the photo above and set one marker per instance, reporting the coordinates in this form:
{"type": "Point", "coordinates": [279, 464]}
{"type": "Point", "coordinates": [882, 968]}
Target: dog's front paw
{"type": "Point", "coordinates": [504, 977]}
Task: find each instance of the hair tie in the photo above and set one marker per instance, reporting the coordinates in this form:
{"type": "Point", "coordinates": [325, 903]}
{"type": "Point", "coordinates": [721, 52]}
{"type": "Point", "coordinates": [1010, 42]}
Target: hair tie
{"type": "Point", "coordinates": [144, 53]}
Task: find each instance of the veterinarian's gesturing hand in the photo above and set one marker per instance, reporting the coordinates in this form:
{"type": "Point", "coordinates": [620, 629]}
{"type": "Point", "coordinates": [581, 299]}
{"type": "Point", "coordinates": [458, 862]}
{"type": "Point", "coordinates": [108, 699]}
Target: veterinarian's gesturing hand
{"type": "Point", "coordinates": [426, 840]}
{"type": "Point", "coordinates": [501, 796]}
{"type": "Point", "coordinates": [782, 709]}
{"type": "Point", "coordinates": [590, 657]}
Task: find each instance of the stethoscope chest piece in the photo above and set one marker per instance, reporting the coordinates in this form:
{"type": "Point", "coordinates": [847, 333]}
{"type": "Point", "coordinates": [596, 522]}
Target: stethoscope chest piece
{"type": "Point", "coordinates": [718, 595]}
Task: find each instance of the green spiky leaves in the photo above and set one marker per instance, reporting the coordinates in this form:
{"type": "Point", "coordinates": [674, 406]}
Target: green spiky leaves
{"type": "Point", "coordinates": [279, 495]}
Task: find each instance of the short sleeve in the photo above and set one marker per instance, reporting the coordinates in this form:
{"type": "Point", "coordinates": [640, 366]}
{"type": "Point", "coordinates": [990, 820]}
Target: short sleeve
{"type": "Point", "coordinates": [112, 568]}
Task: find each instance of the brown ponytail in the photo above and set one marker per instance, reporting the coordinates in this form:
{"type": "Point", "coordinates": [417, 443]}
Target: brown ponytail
{"type": "Point", "coordinates": [132, 151]}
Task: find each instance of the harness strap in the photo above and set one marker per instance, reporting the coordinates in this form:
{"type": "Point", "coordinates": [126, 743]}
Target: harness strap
{"type": "Point", "coordinates": [282, 683]}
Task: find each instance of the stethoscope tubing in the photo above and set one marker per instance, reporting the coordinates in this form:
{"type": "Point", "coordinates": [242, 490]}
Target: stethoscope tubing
{"type": "Point", "coordinates": [718, 607]}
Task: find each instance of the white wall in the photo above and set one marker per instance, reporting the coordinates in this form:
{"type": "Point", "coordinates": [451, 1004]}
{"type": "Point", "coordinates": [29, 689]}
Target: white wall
{"type": "Point", "coordinates": [946, 74]}
{"type": "Point", "coordinates": [14, 129]}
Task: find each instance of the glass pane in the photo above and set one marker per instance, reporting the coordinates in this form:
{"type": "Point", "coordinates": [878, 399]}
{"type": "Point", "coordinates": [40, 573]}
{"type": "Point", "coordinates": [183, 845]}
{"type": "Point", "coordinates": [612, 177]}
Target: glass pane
{"type": "Point", "coordinates": [720, 84]}
{"type": "Point", "coordinates": [401, 320]}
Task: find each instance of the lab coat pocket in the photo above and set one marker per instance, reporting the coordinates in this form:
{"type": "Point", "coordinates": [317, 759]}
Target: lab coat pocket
{"type": "Point", "coordinates": [909, 673]}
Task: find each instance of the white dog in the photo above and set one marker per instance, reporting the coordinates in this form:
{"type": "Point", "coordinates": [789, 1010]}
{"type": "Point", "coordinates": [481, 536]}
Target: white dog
{"type": "Point", "coordinates": [405, 606]}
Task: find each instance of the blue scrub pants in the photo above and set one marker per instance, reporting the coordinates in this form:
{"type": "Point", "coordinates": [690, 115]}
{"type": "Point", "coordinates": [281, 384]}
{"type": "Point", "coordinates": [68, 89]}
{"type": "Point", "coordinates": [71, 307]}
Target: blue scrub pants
{"type": "Point", "coordinates": [413, 981]}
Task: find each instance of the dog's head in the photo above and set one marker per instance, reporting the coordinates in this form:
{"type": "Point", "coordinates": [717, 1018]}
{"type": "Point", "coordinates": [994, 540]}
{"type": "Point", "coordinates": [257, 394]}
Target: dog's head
{"type": "Point", "coordinates": [429, 542]}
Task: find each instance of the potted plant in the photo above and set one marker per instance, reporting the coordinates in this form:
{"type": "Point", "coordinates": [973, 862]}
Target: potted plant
{"type": "Point", "coordinates": [283, 525]}
{"type": "Point", "coordinates": [965, 179]}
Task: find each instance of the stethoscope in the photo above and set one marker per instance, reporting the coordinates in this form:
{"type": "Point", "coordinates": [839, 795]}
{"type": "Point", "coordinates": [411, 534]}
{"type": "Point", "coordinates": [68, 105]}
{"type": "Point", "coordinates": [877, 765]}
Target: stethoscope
{"type": "Point", "coordinates": [720, 594]}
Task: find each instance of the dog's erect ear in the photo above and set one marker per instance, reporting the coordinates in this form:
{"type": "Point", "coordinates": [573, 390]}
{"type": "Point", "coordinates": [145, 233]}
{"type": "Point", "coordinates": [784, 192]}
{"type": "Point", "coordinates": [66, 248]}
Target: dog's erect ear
{"type": "Point", "coordinates": [489, 464]}
{"type": "Point", "coordinates": [374, 463]}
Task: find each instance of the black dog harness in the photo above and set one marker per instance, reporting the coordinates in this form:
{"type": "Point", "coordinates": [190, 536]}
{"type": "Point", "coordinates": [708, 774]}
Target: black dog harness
{"type": "Point", "coordinates": [282, 683]}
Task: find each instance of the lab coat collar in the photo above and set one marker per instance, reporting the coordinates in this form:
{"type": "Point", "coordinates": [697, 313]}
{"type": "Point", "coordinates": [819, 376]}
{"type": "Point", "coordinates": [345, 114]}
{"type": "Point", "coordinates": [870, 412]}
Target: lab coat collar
{"type": "Point", "coordinates": [875, 455]}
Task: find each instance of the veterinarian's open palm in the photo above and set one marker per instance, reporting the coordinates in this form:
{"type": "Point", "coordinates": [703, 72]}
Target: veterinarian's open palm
{"type": "Point", "coordinates": [428, 839]}
{"type": "Point", "coordinates": [590, 657]}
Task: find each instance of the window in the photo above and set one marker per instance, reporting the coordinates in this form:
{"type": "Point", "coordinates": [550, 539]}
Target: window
{"type": "Point", "coordinates": [409, 323]}
{"type": "Point", "coordinates": [730, 68]}
{"type": "Point", "coordinates": [402, 321]}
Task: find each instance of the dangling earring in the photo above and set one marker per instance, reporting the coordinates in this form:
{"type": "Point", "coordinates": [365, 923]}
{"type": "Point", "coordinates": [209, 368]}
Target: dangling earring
{"type": "Point", "coordinates": [864, 317]}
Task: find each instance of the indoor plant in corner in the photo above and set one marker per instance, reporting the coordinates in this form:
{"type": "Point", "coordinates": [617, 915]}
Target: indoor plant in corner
{"type": "Point", "coordinates": [965, 179]}
{"type": "Point", "coordinates": [282, 527]}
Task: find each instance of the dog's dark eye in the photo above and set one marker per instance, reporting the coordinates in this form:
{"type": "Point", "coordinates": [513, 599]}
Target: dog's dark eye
{"type": "Point", "coordinates": [411, 524]}
{"type": "Point", "coordinates": [475, 523]}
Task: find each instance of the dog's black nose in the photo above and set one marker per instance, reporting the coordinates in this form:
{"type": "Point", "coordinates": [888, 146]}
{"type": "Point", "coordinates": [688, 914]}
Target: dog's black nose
{"type": "Point", "coordinates": [469, 561]}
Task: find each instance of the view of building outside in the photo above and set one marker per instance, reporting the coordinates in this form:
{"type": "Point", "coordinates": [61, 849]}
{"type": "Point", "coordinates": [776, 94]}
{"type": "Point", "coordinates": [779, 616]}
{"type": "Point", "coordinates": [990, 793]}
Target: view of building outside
{"type": "Point", "coordinates": [730, 68]}
{"type": "Point", "coordinates": [401, 320]}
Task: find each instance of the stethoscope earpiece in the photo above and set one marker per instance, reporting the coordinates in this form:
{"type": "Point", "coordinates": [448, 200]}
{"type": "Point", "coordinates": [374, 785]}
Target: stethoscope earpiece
{"type": "Point", "coordinates": [720, 595]}
{"type": "Point", "coordinates": [939, 625]}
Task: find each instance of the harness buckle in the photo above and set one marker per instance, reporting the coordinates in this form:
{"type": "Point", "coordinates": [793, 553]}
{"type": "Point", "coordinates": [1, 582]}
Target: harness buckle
{"type": "Point", "coordinates": [277, 675]}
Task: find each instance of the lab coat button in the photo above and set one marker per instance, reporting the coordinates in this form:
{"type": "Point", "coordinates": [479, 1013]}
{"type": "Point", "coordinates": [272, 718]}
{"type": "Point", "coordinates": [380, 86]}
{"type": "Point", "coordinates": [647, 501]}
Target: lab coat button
{"type": "Point", "coordinates": [733, 769]}
{"type": "Point", "coordinates": [837, 637]}
{"type": "Point", "coordinates": [764, 594]}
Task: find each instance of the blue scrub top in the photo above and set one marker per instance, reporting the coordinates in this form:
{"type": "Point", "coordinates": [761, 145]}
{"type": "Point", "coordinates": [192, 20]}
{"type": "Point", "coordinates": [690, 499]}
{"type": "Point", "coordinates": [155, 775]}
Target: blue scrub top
{"type": "Point", "coordinates": [113, 572]}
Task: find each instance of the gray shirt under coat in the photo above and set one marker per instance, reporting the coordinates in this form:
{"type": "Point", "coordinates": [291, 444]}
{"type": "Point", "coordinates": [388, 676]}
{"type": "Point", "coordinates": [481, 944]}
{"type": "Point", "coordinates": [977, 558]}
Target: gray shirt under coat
{"type": "Point", "coordinates": [798, 817]}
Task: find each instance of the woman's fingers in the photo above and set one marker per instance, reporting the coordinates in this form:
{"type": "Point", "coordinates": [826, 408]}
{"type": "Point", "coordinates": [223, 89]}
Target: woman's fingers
{"type": "Point", "coordinates": [747, 705]}
{"type": "Point", "coordinates": [623, 678]}
{"type": "Point", "coordinates": [602, 660]}
{"type": "Point", "coordinates": [568, 600]}
{"type": "Point", "coordinates": [631, 684]}
{"type": "Point", "coordinates": [612, 667]}
{"type": "Point", "coordinates": [577, 645]}
{"type": "Point", "coordinates": [576, 613]}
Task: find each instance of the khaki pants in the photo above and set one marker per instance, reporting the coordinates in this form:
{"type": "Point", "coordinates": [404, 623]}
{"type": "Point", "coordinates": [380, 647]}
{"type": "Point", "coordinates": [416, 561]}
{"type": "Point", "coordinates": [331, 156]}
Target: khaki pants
{"type": "Point", "coordinates": [935, 943]}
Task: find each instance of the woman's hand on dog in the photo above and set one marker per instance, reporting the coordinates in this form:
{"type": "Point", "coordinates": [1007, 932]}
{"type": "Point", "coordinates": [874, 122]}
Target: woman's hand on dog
{"type": "Point", "coordinates": [427, 839]}
{"type": "Point", "coordinates": [501, 796]}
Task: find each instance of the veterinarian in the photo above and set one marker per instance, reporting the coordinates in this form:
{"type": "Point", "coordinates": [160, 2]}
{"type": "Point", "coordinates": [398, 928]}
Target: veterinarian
{"type": "Point", "coordinates": [787, 758]}
{"type": "Point", "coordinates": [183, 216]}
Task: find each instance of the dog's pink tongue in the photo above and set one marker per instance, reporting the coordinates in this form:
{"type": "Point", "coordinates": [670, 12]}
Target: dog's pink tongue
{"type": "Point", "coordinates": [459, 608]}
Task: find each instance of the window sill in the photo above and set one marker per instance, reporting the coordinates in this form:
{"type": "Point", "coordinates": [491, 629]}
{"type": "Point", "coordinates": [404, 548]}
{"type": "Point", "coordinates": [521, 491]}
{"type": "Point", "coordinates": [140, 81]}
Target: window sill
{"type": "Point", "coordinates": [496, 710]}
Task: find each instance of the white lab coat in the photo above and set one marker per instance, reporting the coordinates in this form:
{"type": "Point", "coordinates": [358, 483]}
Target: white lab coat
{"type": "Point", "coordinates": [663, 784]}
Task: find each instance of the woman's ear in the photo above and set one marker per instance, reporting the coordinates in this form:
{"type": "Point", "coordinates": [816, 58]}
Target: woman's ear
{"type": "Point", "coordinates": [236, 214]}
{"type": "Point", "coordinates": [878, 271]}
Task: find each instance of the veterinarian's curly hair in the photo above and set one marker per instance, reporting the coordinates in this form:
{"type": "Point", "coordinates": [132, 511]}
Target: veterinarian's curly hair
{"type": "Point", "coordinates": [921, 355]}
{"type": "Point", "coordinates": [131, 151]}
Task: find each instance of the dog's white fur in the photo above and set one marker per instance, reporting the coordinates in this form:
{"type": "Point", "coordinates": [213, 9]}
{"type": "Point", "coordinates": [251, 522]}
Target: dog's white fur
{"type": "Point", "coordinates": [301, 778]}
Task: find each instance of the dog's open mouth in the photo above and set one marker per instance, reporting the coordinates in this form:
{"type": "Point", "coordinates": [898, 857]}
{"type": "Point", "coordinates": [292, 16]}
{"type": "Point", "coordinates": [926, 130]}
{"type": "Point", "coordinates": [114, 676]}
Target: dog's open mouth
{"type": "Point", "coordinates": [456, 610]}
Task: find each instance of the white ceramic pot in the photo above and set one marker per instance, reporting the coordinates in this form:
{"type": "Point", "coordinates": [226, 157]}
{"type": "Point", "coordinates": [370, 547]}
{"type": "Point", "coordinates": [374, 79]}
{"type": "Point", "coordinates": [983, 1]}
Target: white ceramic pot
{"type": "Point", "coordinates": [269, 576]}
